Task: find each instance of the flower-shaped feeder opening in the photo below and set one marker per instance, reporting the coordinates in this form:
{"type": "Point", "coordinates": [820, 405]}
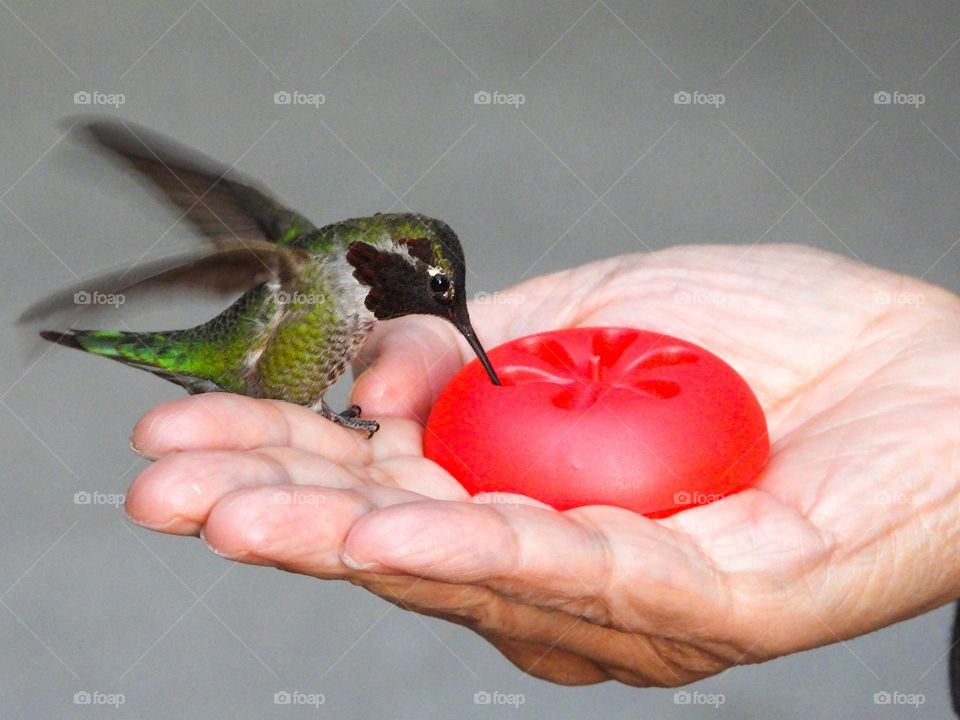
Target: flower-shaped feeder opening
{"type": "Point", "coordinates": [581, 385]}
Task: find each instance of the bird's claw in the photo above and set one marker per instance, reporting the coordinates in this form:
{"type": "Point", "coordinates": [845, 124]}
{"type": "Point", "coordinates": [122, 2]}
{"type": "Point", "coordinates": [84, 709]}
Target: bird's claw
{"type": "Point", "coordinates": [350, 418]}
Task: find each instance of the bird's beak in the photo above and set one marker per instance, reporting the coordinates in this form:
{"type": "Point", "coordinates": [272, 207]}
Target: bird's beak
{"type": "Point", "coordinates": [466, 329]}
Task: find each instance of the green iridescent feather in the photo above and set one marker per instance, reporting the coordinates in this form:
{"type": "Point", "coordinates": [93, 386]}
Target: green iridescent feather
{"type": "Point", "coordinates": [301, 355]}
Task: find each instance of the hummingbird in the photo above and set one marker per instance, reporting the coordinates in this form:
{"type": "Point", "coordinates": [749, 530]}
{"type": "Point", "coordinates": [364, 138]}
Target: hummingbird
{"type": "Point", "coordinates": [310, 296]}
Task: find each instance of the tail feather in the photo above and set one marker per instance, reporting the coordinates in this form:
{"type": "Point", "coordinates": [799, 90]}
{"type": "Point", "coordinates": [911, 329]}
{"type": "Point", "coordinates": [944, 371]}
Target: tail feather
{"type": "Point", "coordinates": [67, 339]}
{"type": "Point", "coordinates": [163, 354]}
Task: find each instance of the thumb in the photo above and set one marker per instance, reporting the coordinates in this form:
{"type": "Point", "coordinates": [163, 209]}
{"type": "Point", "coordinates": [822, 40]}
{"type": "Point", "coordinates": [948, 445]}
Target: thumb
{"type": "Point", "coordinates": [404, 365]}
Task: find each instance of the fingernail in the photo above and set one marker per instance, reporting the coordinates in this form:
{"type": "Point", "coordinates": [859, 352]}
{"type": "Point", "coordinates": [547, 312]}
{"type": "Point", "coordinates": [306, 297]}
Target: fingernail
{"type": "Point", "coordinates": [354, 564]}
{"type": "Point", "coordinates": [151, 526]}
{"type": "Point", "coordinates": [215, 551]}
{"type": "Point", "coordinates": [138, 451]}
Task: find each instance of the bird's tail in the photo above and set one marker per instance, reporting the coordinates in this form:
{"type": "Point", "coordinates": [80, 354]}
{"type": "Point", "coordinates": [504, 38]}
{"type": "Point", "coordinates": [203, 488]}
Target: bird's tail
{"type": "Point", "coordinates": [170, 355]}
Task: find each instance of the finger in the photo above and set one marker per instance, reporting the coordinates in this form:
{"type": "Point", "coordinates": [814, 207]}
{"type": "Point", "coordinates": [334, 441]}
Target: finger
{"type": "Point", "coordinates": [175, 494]}
{"type": "Point", "coordinates": [609, 565]}
{"type": "Point", "coordinates": [306, 536]}
{"type": "Point", "coordinates": [249, 526]}
{"type": "Point", "coordinates": [404, 365]}
{"type": "Point", "coordinates": [233, 422]}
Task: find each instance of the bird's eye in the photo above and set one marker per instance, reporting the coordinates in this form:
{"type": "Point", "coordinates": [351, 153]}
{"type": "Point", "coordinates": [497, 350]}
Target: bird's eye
{"type": "Point", "coordinates": [439, 283]}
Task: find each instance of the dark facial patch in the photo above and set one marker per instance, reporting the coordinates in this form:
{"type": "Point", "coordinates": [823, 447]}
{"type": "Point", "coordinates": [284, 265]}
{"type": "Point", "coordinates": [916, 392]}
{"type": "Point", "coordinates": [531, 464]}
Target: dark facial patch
{"type": "Point", "coordinates": [396, 287]}
{"type": "Point", "coordinates": [400, 279]}
{"type": "Point", "coordinates": [420, 248]}
{"type": "Point", "coordinates": [367, 262]}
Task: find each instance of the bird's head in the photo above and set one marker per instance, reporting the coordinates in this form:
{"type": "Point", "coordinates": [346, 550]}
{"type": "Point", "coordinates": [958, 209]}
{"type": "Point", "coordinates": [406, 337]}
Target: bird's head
{"type": "Point", "coordinates": [418, 276]}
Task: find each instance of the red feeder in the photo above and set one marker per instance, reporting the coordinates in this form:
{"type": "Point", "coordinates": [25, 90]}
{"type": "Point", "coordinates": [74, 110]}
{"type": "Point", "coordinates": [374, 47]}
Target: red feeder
{"type": "Point", "coordinates": [601, 416]}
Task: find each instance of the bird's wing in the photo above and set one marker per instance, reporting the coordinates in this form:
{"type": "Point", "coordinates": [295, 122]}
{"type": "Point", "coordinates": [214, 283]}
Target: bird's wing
{"type": "Point", "coordinates": [220, 203]}
{"type": "Point", "coordinates": [235, 266]}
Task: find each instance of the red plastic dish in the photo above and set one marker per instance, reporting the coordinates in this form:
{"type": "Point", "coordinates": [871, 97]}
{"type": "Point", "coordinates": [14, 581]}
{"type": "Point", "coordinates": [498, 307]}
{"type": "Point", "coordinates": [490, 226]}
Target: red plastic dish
{"type": "Point", "coordinates": [601, 416]}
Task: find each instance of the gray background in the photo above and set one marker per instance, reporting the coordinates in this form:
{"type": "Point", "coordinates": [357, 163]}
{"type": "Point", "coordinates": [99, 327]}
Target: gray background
{"type": "Point", "coordinates": [88, 602]}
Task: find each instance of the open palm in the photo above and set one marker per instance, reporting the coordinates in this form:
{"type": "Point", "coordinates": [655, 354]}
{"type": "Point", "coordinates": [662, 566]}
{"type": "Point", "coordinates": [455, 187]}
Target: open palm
{"type": "Point", "coordinates": [851, 527]}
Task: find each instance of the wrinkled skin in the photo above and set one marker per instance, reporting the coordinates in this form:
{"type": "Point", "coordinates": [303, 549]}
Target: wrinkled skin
{"type": "Point", "coordinates": [852, 526]}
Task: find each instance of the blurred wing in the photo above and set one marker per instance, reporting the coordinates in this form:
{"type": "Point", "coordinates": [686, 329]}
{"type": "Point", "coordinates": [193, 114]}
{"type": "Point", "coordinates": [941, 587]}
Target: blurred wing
{"type": "Point", "coordinates": [218, 202]}
{"type": "Point", "coordinates": [236, 266]}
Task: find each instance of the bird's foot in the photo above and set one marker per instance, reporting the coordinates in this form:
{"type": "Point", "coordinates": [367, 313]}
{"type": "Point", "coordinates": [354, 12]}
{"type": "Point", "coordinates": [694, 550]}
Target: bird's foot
{"type": "Point", "coordinates": [350, 418]}
{"type": "Point", "coordinates": [351, 412]}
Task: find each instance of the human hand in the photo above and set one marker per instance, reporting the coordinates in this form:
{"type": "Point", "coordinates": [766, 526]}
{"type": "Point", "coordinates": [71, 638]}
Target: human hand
{"type": "Point", "coordinates": [851, 527]}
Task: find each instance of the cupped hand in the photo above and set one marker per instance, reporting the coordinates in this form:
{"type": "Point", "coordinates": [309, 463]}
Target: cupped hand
{"type": "Point", "coordinates": [852, 526]}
